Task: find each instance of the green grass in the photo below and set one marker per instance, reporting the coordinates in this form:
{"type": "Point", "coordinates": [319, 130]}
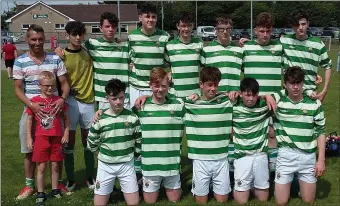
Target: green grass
{"type": "Point", "coordinates": [12, 170]}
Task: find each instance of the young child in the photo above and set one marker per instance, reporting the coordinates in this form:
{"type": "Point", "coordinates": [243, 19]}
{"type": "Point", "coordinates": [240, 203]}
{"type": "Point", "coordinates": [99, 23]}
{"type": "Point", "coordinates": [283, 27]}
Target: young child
{"type": "Point", "coordinates": [250, 137]}
{"type": "Point", "coordinates": [115, 136]}
{"type": "Point", "coordinates": [49, 135]}
{"type": "Point", "coordinates": [300, 131]}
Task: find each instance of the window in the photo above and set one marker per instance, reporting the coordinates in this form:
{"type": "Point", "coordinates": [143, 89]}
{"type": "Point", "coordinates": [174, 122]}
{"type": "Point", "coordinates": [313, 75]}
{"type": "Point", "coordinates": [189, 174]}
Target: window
{"type": "Point", "coordinates": [95, 29]}
{"type": "Point", "coordinates": [124, 28]}
{"type": "Point", "coordinates": [59, 26]}
{"type": "Point", "coordinates": [25, 26]}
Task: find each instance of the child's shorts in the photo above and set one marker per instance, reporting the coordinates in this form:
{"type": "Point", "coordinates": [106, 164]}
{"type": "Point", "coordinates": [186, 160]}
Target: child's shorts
{"type": "Point", "coordinates": [47, 148]}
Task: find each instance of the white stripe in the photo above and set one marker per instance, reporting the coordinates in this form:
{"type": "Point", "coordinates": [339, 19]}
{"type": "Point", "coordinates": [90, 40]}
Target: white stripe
{"type": "Point", "coordinates": [140, 37]}
{"type": "Point", "coordinates": [209, 144]}
{"type": "Point", "coordinates": [210, 131]}
{"type": "Point", "coordinates": [184, 69]}
{"type": "Point", "coordinates": [160, 147]}
{"type": "Point", "coordinates": [148, 49]}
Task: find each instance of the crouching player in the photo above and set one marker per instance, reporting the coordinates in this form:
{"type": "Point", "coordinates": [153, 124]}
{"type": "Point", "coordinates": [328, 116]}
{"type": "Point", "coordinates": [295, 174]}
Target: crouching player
{"type": "Point", "coordinates": [115, 135]}
{"type": "Point", "coordinates": [300, 130]}
{"type": "Point", "coordinates": [49, 135]}
{"type": "Point", "coordinates": [250, 137]}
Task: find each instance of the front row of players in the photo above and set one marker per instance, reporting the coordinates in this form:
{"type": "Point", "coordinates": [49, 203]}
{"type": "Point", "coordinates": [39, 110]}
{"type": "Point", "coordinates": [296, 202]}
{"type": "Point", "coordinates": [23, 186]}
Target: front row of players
{"type": "Point", "coordinates": [155, 129]}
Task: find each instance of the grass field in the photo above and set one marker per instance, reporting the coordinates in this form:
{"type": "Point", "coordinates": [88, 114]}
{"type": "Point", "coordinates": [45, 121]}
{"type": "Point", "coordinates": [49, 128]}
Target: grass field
{"type": "Point", "coordinates": [12, 171]}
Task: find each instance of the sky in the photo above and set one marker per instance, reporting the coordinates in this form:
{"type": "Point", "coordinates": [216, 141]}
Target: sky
{"type": "Point", "coordinates": [8, 4]}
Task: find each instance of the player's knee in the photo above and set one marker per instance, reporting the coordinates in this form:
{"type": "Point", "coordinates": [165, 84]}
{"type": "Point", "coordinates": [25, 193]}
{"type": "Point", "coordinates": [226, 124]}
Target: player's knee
{"type": "Point", "coordinates": [281, 201]}
{"type": "Point", "coordinates": [241, 201]}
{"type": "Point", "coordinates": [308, 200]}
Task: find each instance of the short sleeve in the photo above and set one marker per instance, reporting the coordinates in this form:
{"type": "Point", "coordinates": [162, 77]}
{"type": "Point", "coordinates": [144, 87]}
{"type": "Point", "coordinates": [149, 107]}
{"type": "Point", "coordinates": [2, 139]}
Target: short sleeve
{"type": "Point", "coordinates": [61, 69]}
{"type": "Point", "coordinates": [18, 72]}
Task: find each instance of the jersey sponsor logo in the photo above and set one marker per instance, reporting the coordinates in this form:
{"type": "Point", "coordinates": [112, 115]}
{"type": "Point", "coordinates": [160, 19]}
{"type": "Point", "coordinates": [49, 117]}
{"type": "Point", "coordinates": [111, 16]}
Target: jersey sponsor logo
{"type": "Point", "coordinates": [105, 128]}
{"type": "Point", "coordinates": [292, 47]}
{"type": "Point", "coordinates": [172, 113]}
{"type": "Point", "coordinates": [253, 52]}
{"type": "Point", "coordinates": [216, 53]}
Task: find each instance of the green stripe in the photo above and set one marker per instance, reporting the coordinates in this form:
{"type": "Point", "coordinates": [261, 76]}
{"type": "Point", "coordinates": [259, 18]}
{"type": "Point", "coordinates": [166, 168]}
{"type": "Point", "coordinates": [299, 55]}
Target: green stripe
{"type": "Point", "coordinates": [203, 138]}
{"type": "Point", "coordinates": [166, 167]}
{"type": "Point", "coordinates": [210, 151]}
{"type": "Point", "coordinates": [214, 124]}
{"type": "Point", "coordinates": [176, 153]}
{"type": "Point", "coordinates": [169, 140]}
{"type": "Point", "coordinates": [116, 153]}
{"type": "Point", "coordinates": [159, 127]}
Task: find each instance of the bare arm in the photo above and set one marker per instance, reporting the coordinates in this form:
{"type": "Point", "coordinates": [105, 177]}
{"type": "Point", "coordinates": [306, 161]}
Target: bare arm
{"type": "Point", "coordinates": [29, 139]}
{"type": "Point", "coordinates": [65, 87]}
{"type": "Point", "coordinates": [15, 53]}
{"type": "Point", "coordinates": [320, 166]}
{"type": "Point", "coordinates": [35, 107]}
{"type": "Point", "coordinates": [322, 94]}
{"type": "Point", "coordinates": [66, 126]}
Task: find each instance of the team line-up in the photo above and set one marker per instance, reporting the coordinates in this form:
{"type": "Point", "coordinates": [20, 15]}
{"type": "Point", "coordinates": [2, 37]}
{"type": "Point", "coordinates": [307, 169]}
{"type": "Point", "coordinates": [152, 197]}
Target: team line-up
{"type": "Point", "coordinates": [236, 128]}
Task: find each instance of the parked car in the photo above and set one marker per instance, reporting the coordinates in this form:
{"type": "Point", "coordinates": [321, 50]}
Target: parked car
{"type": "Point", "coordinates": [276, 33]}
{"type": "Point", "coordinates": [5, 39]}
{"type": "Point", "coordinates": [235, 34]}
{"type": "Point", "coordinates": [207, 33]}
{"type": "Point", "coordinates": [315, 31]}
{"type": "Point", "coordinates": [331, 31]}
{"type": "Point", "coordinates": [245, 34]}
{"type": "Point", "coordinates": [287, 30]}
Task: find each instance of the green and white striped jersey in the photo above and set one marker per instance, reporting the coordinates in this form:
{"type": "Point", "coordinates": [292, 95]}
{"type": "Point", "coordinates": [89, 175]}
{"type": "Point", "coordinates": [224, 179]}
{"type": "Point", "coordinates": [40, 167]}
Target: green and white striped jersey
{"type": "Point", "coordinates": [146, 52]}
{"type": "Point", "coordinates": [307, 54]}
{"type": "Point", "coordinates": [250, 125]}
{"type": "Point", "coordinates": [162, 130]}
{"type": "Point", "coordinates": [264, 63]}
{"type": "Point", "coordinates": [110, 60]}
{"type": "Point", "coordinates": [185, 65]}
{"type": "Point", "coordinates": [298, 124]}
{"type": "Point", "coordinates": [228, 59]}
{"type": "Point", "coordinates": [115, 137]}
{"type": "Point", "coordinates": [208, 127]}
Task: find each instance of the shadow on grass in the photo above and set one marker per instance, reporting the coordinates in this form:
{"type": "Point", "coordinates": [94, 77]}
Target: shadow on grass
{"type": "Point", "coordinates": [323, 188]}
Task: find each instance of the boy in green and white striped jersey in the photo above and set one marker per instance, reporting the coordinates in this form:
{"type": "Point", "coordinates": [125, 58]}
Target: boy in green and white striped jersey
{"type": "Point", "coordinates": [300, 130]}
{"type": "Point", "coordinates": [146, 51]}
{"type": "Point", "coordinates": [116, 136]}
{"type": "Point", "coordinates": [225, 55]}
{"type": "Point", "coordinates": [208, 127]}
{"type": "Point", "coordinates": [262, 61]}
{"type": "Point", "coordinates": [162, 130]}
{"type": "Point", "coordinates": [250, 137]}
{"type": "Point", "coordinates": [307, 52]}
{"type": "Point", "coordinates": [183, 54]}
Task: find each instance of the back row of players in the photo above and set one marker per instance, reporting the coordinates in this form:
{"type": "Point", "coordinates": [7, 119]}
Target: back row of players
{"type": "Point", "coordinates": [148, 47]}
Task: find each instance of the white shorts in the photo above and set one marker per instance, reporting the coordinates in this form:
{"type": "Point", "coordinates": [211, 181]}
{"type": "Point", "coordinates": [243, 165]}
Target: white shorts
{"type": "Point", "coordinates": [153, 183]}
{"type": "Point", "coordinates": [23, 133]}
{"type": "Point", "coordinates": [290, 161]}
{"type": "Point", "coordinates": [251, 171]}
{"type": "Point", "coordinates": [107, 173]}
{"type": "Point", "coordinates": [79, 112]}
{"type": "Point", "coordinates": [215, 170]}
{"type": "Point", "coordinates": [135, 93]}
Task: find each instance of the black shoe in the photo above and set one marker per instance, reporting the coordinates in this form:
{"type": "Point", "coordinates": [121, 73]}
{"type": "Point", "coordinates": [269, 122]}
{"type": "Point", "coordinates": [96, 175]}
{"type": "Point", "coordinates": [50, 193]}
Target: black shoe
{"type": "Point", "coordinates": [56, 194]}
{"type": "Point", "coordinates": [40, 199]}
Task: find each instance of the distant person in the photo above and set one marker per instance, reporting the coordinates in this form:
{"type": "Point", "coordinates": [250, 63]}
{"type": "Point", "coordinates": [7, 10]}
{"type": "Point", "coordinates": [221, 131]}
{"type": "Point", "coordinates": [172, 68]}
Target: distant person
{"type": "Point", "coordinates": [10, 52]}
{"type": "Point", "coordinates": [26, 71]}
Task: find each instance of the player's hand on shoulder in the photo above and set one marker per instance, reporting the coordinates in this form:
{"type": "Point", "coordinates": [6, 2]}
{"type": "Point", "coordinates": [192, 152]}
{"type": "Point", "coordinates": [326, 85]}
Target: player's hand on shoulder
{"type": "Point", "coordinates": [97, 116]}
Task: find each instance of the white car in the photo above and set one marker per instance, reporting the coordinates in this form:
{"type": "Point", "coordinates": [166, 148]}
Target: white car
{"type": "Point", "coordinates": [15, 38]}
{"type": "Point", "coordinates": [206, 32]}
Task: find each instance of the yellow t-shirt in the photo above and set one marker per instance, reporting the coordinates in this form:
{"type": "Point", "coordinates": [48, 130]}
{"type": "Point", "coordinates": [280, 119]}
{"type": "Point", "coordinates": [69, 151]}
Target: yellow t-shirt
{"type": "Point", "coordinates": [80, 74]}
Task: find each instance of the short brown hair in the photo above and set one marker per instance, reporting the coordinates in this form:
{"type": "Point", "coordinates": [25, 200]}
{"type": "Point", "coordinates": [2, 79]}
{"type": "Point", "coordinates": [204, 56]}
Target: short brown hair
{"type": "Point", "coordinates": [265, 20]}
{"type": "Point", "coordinates": [293, 75]}
{"type": "Point", "coordinates": [36, 28]}
{"type": "Point", "coordinates": [210, 74]}
{"type": "Point", "coordinates": [157, 74]}
{"type": "Point", "coordinates": [47, 75]}
{"type": "Point", "coordinates": [224, 20]}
